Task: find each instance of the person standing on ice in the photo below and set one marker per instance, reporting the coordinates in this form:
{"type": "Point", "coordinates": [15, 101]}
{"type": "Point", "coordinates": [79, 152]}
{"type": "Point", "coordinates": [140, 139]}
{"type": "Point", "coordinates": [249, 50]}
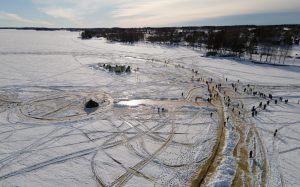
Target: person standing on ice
{"type": "Point", "coordinates": [275, 133]}
{"type": "Point", "coordinates": [251, 154]}
{"type": "Point", "coordinates": [265, 106]}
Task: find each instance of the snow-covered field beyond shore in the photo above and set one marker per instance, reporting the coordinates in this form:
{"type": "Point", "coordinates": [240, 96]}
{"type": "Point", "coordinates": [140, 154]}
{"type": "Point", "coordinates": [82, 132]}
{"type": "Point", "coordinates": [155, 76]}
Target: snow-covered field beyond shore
{"type": "Point", "coordinates": [47, 138]}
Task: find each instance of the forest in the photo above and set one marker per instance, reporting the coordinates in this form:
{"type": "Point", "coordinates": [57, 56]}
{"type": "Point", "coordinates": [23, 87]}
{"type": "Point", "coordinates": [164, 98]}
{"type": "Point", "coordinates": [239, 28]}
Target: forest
{"type": "Point", "coordinates": [272, 44]}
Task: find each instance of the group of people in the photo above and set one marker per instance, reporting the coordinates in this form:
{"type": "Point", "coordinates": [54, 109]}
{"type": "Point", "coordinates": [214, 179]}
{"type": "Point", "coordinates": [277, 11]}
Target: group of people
{"type": "Point", "coordinates": [254, 111]}
{"type": "Point", "coordinates": [160, 109]}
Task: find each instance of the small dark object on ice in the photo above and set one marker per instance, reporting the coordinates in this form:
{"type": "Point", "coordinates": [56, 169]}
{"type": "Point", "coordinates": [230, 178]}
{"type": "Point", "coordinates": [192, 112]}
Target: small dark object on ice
{"type": "Point", "coordinates": [209, 100]}
{"type": "Point", "coordinates": [275, 133]}
{"type": "Point", "coordinates": [270, 96]}
{"type": "Point", "coordinates": [265, 106]}
{"type": "Point", "coordinates": [251, 154]}
{"type": "Point", "coordinates": [91, 104]}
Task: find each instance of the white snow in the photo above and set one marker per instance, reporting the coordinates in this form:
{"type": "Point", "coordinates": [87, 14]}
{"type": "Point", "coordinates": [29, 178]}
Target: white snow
{"type": "Point", "coordinates": [47, 139]}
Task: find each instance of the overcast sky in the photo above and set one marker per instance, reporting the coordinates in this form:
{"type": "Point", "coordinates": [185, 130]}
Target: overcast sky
{"type": "Point", "coordinates": [140, 13]}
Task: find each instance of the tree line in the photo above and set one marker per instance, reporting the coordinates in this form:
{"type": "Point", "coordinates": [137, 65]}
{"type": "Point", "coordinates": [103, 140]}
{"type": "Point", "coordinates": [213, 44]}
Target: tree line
{"type": "Point", "coordinates": [270, 44]}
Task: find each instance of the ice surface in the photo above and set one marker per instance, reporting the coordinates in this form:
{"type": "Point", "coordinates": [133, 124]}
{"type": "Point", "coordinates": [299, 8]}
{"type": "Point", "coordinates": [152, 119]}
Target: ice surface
{"type": "Point", "coordinates": [47, 139]}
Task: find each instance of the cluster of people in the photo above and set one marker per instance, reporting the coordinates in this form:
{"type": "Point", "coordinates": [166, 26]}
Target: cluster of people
{"type": "Point", "coordinates": [195, 71]}
{"type": "Point", "coordinates": [254, 111]}
{"type": "Point", "coordinates": [264, 106]}
{"type": "Point", "coordinates": [160, 109]}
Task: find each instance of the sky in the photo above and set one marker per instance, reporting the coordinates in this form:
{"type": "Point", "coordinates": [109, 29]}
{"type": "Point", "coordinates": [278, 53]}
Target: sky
{"type": "Point", "coordinates": [143, 13]}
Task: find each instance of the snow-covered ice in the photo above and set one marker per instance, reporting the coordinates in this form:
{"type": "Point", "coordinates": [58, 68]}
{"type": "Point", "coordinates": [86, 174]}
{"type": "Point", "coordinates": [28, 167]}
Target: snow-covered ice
{"type": "Point", "coordinates": [48, 139]}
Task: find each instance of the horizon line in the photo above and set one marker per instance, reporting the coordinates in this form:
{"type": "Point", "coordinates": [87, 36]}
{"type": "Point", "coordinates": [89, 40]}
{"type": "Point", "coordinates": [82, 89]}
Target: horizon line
{"type": "Point", "coordinates": [237, 25]}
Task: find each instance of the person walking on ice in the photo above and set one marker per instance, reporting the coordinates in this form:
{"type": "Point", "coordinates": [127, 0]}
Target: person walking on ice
{"type": "Point", "coordinates": [275, 133]}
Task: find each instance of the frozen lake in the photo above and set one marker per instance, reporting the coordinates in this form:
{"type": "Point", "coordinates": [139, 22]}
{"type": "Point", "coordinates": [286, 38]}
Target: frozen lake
{"type": "Point", "coordinates": [154, 126]}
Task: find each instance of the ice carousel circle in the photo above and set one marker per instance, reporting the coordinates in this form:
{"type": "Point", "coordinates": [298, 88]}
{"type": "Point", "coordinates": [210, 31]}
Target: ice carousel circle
{"type": "Point", "coordinates": [63, 107]}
